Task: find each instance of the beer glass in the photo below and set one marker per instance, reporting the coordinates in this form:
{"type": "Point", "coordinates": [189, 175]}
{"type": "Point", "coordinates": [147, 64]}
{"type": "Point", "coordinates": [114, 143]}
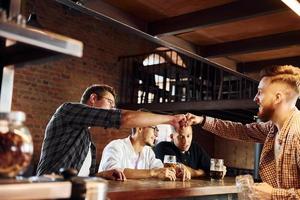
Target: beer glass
{"type": "Point", "coordinates": [244, 184]}
{"type": "Point", "coordinates": [170, 161]}
{"type": "Point", "coordinates": [216, 168]}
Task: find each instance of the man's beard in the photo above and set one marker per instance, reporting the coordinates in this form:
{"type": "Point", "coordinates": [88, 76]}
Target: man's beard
{"type": "Point", "coordinates": [266, 113]}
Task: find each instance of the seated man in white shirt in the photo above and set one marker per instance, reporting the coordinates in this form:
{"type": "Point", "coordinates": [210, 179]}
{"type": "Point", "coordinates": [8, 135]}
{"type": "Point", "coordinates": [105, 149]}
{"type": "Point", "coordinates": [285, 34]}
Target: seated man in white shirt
{"type": "Point", "coordinates": [135, 157]}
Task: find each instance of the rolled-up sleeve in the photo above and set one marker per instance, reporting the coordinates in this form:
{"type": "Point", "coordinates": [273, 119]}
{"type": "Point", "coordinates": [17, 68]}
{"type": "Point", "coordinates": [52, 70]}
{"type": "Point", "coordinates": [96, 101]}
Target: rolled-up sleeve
{"type": "Point", "coordinates": [253, 132]}
{"type": "Point", "coordinates": [77, 114]}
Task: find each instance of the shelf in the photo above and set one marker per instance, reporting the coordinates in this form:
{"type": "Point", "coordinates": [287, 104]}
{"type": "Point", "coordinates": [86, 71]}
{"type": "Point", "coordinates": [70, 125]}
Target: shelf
{"type": "Point", "coordinates": [28, 45]}
{"type": "Point", "coordinates": [42, 39]}
{"type": "Point", "coordinates": [34, 44]}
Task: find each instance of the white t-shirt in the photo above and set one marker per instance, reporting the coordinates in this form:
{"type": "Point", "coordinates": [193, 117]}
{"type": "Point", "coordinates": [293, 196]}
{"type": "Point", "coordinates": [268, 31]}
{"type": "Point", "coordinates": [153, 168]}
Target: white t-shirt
{"type": "Point", "coordinates": [85, 168]}
{"type": "Point", "coordinates": [119, 154]}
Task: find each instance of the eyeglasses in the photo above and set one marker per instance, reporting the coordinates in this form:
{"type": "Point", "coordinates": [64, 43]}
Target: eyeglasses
{"type": "Point", "coordinates": [154, 128]}
{"type": "Point", "coordinates": [111, 102]}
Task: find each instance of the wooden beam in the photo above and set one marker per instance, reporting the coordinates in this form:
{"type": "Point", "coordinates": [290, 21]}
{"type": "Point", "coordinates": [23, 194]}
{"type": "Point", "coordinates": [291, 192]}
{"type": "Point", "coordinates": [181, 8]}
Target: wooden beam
{"type": "Point", "coordinates": [195, 106]}
{"type": "Point", "coordinates": [116, 13]}
{"type": "Point", "coordinates": [252, 45]}
{"type": "Point", "coordinates": [235, 11]}
{"type": "Point", "coordinates": [256, 66]}
{"type": "Point", "coordinates": [180, 43]}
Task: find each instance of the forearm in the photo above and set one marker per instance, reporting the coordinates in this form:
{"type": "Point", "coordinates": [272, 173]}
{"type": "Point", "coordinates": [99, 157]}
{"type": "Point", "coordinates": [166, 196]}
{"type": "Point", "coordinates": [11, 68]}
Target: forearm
{"type": "Point", "coordinates": [196, 172]}
{"type": "Point", "coordinates": [132, 119]}
{"type": "Point", "coordinates": [75, 114]}
{"type": "Point", "coordinates": [138, 173]}
{"type": "Point", "coordinates": [104, 174]}
{"type": "Point", "coordinates": [113, 174]}
{"type": "Point", "coordinates": [254, 132]}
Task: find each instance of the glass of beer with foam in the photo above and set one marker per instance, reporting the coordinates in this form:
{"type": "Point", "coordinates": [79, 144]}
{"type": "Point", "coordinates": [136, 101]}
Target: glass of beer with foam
{"type": "Point", "coordinates": [170, 161]}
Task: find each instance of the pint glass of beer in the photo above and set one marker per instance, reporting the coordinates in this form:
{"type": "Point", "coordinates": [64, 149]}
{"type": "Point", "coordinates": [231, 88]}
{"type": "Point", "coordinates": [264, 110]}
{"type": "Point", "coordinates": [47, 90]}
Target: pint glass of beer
{"type": "Point", "coordinates": [170, 161]}
{"type": "Point", "coordinates": [216, 168]}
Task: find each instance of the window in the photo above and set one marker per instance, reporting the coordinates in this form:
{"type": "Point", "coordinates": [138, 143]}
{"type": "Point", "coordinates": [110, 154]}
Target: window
{"type": "Point", "coordinates": [161, 56]}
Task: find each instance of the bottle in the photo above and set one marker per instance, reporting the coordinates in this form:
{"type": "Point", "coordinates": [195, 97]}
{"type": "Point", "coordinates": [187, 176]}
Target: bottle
{"type": "Point", "coordinates": [16, 147]}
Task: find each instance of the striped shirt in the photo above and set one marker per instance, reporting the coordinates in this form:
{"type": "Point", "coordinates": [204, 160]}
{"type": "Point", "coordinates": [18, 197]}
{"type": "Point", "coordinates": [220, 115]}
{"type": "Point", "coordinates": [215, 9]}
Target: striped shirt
{"type": "Point", "coordinates": [67, 138]}
{"type": "Point", "coordinates": [283, 176]}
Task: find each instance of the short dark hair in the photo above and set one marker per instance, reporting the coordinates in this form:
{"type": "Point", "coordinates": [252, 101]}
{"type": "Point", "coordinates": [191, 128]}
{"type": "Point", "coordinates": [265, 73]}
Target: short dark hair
{"type": "Point", "coordinates": [98, 89]}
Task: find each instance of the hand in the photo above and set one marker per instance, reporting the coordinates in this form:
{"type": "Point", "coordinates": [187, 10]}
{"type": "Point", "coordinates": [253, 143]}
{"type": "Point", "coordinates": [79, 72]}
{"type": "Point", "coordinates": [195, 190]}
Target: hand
{"type": "Point", "coordinates": [168, 173]}
{"type": "Point", "coordinates": [113, 174]}
{"type": "Point", "coordinates": [261, 191]}
{"type": "Point", "coordinates": [178, 121]}
{"type": "Point", "coordinates": [193, 119]}
{"type": "Point", "coordinates": [224, 171]}
{"type": "Point", "coordinates": [182, 172]}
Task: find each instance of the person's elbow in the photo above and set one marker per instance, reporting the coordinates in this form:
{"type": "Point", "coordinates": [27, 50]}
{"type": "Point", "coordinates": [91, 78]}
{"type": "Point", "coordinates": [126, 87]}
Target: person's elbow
{"type": "Point", "coordinates": [126, 120]}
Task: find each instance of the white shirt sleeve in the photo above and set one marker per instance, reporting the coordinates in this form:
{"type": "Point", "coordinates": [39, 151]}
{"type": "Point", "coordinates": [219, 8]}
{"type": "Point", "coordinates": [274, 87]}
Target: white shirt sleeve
{"type": "Point", "coordinates": [111, 157]}
{"type": "Point", "coordinates": [154, 162]}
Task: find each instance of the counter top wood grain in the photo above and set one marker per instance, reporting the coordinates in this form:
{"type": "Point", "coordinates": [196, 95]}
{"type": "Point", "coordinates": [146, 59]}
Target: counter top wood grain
{"type": "Point", "coordinates": [157, 189]}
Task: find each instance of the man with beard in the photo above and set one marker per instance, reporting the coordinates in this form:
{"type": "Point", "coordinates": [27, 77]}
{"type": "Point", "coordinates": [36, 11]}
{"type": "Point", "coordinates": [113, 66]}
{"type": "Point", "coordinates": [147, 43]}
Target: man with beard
{"type": "Point", "coordinates": [277, 95]}
{"type": "Point", "coordinates": [135, 158]}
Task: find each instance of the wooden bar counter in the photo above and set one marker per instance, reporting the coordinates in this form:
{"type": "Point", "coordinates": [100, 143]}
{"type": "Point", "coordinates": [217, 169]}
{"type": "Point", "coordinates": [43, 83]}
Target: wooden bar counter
{"type": "Point", "coordinates": [156, 189]}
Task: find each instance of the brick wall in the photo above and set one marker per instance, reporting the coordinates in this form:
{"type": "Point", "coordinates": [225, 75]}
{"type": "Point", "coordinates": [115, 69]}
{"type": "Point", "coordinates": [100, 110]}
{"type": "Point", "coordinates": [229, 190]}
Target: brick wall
{"type": "Point", "coordinates": [40, 88]}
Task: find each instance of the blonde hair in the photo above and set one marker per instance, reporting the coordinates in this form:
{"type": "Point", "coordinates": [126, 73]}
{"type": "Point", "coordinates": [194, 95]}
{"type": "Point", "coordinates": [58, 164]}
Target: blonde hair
{"type": "Point", "coordinates": [286, 73]}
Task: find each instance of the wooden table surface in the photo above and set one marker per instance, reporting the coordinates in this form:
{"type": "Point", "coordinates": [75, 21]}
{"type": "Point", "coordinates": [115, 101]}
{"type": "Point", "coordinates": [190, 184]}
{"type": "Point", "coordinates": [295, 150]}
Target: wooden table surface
{"type": "Point", "coordinates": [157, 189]}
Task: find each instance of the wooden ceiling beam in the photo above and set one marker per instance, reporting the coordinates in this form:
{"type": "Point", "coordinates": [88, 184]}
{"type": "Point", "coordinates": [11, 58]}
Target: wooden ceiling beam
{"type": "Point", "coordinates": [235, 11]}
{"type": "Point", "coordinates": [116, 13]}
{"type": "Point", "coordinates": [256, 66]}
{"type": "Point", "coordinates": [257, 44]}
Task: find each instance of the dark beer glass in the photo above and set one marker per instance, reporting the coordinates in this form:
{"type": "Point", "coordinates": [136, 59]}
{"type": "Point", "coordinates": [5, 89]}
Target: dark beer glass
{"type": "Point", "coordinates": [216, 169]}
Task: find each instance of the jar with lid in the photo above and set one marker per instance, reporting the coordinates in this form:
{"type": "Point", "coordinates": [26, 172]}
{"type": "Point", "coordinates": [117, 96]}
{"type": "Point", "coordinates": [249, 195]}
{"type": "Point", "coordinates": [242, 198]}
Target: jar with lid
{"type": "Point", "coordinates": [16, 147]}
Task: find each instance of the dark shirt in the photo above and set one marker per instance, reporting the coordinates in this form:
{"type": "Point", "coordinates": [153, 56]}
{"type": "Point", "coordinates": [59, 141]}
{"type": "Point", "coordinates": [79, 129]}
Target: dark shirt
{"type": "Point", "coordinates": [67, 137]}
{"type": "Point", "coordinates": [196, 157]}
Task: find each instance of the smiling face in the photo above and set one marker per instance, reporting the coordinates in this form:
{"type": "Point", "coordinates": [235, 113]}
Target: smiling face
{"type": "Point", "coordinates": [265, 99]}
{"type": "Point", "coordinates": [183, 138]}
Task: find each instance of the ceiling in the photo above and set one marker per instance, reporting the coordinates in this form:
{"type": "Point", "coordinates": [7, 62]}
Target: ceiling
{"type": "Point", "coordinates": [243, 35]}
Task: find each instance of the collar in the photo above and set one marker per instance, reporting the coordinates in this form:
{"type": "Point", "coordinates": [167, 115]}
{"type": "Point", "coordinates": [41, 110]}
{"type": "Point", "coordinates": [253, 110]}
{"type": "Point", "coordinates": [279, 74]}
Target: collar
{"type": "Point", "coordinates": [129, 144]}
{"type": "Point", "coordinates": [286, 126]}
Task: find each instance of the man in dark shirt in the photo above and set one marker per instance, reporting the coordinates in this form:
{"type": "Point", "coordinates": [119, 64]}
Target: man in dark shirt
{"type": "Point", "coordinates": [67, 142]}
{"type": "Point", "coordinates": [189, 153]}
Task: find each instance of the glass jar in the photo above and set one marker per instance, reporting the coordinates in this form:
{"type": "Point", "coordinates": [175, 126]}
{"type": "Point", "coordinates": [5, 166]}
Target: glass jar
{"type": "Point", "coordinates": [16, 147]}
